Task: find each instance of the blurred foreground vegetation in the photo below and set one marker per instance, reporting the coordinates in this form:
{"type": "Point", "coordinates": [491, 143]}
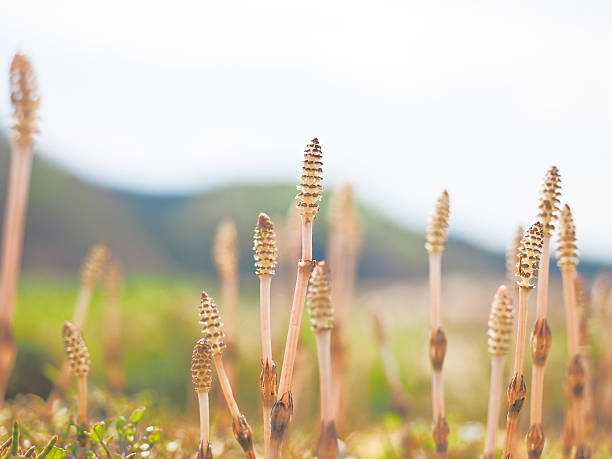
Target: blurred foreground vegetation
{"type": "Point", "coordinates": [160, 324]}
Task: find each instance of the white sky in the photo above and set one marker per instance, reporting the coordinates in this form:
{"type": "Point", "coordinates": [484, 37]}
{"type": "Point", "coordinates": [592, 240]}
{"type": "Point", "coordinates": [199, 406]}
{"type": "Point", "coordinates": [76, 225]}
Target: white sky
{"type": "Point", "coordinates": [406, 98]}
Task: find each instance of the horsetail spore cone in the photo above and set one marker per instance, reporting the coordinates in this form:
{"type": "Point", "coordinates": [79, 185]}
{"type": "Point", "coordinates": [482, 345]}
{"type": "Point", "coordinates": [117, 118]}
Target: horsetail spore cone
{"type": "Point", "coordinates": [512, 253]}
{"type": "Point", "coordinates": [266, 255]}
{"type": "Point", "coordinates": [212, 329]}
{"type": "Point", "coordinates": [567, 250]}
{"type": "Point", "coordinates": [526, 276]}
{"type": "Point", "coordinates": [78, 357]}
{"type": "Point", "coordinates": [25, 99]}
{"type": "Point", "coordinates": [437, 231]}
{"type": "Point", "coordinates": [319, 299]}
{"type": "Point", "coordinates": [201, 376]}
{"type": "Point", "coordinates": [549, 200]}
{"type": "Point", "coordinates": [225, 252]}
{"type": "Point", "coordinates": [310, 188]}
{"type": "Point", "coordinates": [264, 246]}
{"type": "Point", "coordinates": [501, 320]}
{"type": "Point", "coordinates": [322, 319]}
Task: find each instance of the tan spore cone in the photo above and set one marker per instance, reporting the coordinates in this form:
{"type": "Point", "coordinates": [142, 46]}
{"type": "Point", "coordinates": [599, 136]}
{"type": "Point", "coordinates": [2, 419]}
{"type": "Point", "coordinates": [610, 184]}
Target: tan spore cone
{"type": "Point", "coordinates": [25, 98]}
{"type": "Point", "coordinates": [319, 299]}
{"type": "Point", "coordinates": [310, 187]}
{"type": "Point", "coordinates": [201, 366]}
{"type": "Point", "coordinates": [93, 265]}
{"type": "Point", "coordinates": [567, 250]}
{"type": "Point", "coordinates": [501, 321]}
{"type": "Point", "coordinates": [437, 231]}
{"type": "Point", "coordinates": [549, 200]}
{"type": "Point", "coordinates": [512, 253]}
{"type": "Point", "coordinates": [225, 251]}
{"type": "Point", "coordinates": [212, 327]}
{"type": "Point", "coordinates": [264, 246]}
{"type": "Point", "coordinates": [76, 350]}
{"type": "Point", "coordinates": [529, 257]}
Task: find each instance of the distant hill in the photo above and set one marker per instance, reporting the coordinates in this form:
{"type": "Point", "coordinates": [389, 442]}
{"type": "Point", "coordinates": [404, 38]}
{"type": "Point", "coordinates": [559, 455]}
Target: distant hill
{"type": "Point", "coordinates": [173, 234]}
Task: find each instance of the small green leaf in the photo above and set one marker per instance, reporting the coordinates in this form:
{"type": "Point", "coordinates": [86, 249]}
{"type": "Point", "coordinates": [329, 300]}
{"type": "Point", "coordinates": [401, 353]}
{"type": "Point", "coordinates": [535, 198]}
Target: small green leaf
{"type": "Point", "coordinates": [99, 430]}
{"type": "Point", "coordinates": [48, 449]}
{"type": "Point", "coordinates": [15, 441]}
{"type": "Point", "coordinates": [56, 453]}
{"type": "Point", "coordinates": [137, 415]}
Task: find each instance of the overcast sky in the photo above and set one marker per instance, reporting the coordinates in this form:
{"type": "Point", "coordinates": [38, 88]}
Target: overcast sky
{"type": "Point", "coordinates": [407, 98]}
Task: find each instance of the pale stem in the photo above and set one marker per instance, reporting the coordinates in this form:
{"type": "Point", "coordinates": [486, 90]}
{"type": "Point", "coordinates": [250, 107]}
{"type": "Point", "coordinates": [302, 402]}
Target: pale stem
{"type": "Point", "coordinates": [267, 428]}
{"type": "Point", "coordinates": [82, 307]}
{"type": "Point", "coordinates": [82, 386]}
{"type": "Point", "coordinates": [542, 293]}
{"type": "Point", "coordinates": [14, 223]}
{"type": "Point", "coordinates": [325, 375]}
{"type": "Point", "coordinates": [495, 391]}
{"type": "Point", "coordinates": [226, 387]}
{"type": "Point", "coordinates": [204, 417]}
{"type": "Point", "coordinates": [434, 289]}
{"type": "Point", "coordinates": [438, 394]}
{"type": "Point", "coordinates": [569, 295]}
{"type": "Point", "coordinates": [521, 327]}
{"type": "Point", "coordinates": [265, 282]}
{"type": "Point", "coordinates": [306, 239]}
{"type": "Point", "coordinates": [537, 392]}
{"type": "Point", "coordinates": [295, 321]}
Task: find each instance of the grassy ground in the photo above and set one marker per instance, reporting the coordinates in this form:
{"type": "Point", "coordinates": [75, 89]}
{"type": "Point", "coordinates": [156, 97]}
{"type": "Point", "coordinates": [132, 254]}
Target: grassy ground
{"type": "Point", "coordinates": [159, 326]}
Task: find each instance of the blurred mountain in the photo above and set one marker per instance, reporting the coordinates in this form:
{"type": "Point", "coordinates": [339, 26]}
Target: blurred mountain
{"type": "Point", "coordinates": [173, 234]}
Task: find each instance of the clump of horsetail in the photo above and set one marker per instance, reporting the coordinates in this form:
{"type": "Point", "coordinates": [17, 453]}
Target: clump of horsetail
{"type": "Point", "coordinates": [541, 336]}
{"type": "Point", "coordinates": [501, 319]}
{"type": "Point", "coordinates": [264, 246]}
{"type": "Point", "coordinates": [343, 256]}
{"type": "Point", "coordinates": [25, 99]}
{"type": "Point", "coordinates": [583, 309]}
{"type": "Point", "coordinates": [78, 359]}
{"type": "Point", "coordinates": [201, 376]}
{"type": "Point", "coordinates": [212, 329]}
{"type": "Point", "coordinates": [308, 205]}
{"type": "Point", "coordinates": [225, 255]}
{"type": "Point", "coordinates": [112, 327]}
{"type": "Point", "coordinates": [90, 272]}
{"type": "Point", "coordinates": [567, 260]}
{"type": "Point", "coordinates": [526, 275]}
{"type": "Point", "coordinates": [437, 234]}
{"type": "Point", "coordinates": [322, 319]}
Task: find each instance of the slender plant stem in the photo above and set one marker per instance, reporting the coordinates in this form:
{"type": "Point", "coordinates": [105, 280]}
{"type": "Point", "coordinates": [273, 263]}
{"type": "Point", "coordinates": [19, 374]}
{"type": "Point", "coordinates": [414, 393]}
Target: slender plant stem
{"type": "Point", "coordinates": [576, 408]}
{"type": "Point", "coordinates": [306, 239]}
{"type": "Point", "coordinates": [495, 391]}
{"type": "Point", "coordinates": [265, 282]}
{"type": "Point", "coordinates": [434, 288]}
{"type": "Point", "coordinates": [515, 392]}
{"type": "Point", "coordinates": [264, 307]}
{"type": "Point", "coordinates": [325, 375]}
{"type": "Point", "coordinates": [14, 225]}
{"type": "Point", "coordinates": [542, 292]}
{"type": "Point", "coordinates": [295, 321]}
{"type": "Point", "coordinates": [82, 385]}
{"type": "Point", "coordinates": [204, 418]}
{"type": "Point", "coordinates": [226, 387]}
{"type": "Point", "coordinates": [327, 447]}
